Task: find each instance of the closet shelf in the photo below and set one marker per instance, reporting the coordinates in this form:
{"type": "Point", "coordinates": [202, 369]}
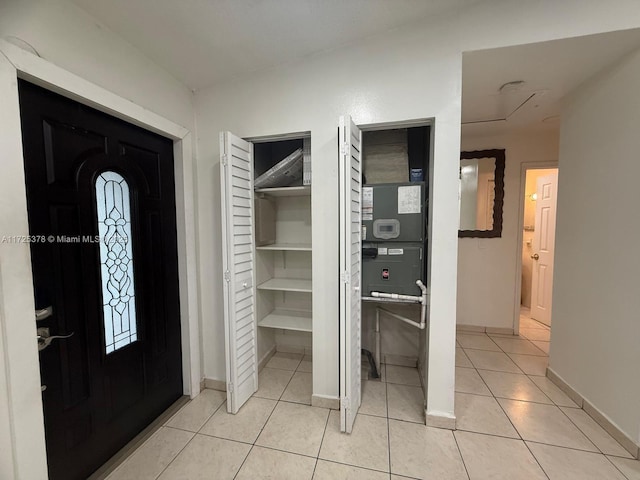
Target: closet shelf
{"type": "Point", "coordinates": [300, 191]}
{"type": "Point", "coordinates": [300, 247]}
{"type": "Point", "coordinates": [286, 285]}
{"type": "Point", "coordinates": [288, 320]}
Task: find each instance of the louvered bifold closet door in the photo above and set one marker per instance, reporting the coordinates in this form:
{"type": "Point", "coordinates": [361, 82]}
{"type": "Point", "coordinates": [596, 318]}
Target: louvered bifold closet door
{"type": "Point", "coordinates": [238, 264]}
{"type": "Point", "coordinates": [350, 255]}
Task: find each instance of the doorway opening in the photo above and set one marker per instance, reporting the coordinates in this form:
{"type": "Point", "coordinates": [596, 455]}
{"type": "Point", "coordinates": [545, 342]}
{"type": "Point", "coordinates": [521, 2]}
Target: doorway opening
{"type": "Point", "coordinates": [395, 159]}
{"type": "Point", "coordinates": [538, 219]}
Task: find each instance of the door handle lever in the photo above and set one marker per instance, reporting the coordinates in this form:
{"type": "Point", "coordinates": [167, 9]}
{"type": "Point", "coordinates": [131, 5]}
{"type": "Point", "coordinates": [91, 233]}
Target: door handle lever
{"type": "Point", "coordinates": [44, 313]}
{"type": "Point", "coordinates": [44, 339]}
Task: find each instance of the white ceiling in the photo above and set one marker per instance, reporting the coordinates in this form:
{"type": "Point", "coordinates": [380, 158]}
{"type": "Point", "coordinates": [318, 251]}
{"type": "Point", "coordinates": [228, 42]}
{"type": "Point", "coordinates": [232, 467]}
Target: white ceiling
{"type": "Point", "coordinates": [551, 71]}
{"type": "Point", "coordinates": [202, 42]}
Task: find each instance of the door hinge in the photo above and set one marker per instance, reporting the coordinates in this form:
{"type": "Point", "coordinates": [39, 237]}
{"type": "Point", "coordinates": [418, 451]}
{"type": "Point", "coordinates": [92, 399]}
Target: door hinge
{"type": "Point", "coordinates": [345, 403]}
{"type": "Point", "coordinates": [230, 387]}
{"type": "Point", "coordinates": [344, 148]}
{"type": "Point", "coordinates": [224, 159]}
{"type": "Point", "coordinates": [227, 275]}
{"type": "Point", "coordinates": [344, 277]}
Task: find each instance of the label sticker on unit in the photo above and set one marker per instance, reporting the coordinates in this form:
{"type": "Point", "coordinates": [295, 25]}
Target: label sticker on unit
{"type": "Point", "coordinates": [385, 274]}
{"type": "Point", "coordinates": [364, 232]}
{"type": "Point", "coordinates": [382, 251]}
{"type": "Point", "coordinates": [409, 199]}
{"type": "Point", "coordinates": [367, 203]}
{"type": "Point", "coordinates": [396, 251]}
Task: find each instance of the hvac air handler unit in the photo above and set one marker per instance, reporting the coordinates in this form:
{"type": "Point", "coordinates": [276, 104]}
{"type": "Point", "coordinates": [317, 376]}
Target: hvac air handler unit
{"type": "Point", "coordinates": [393, 238]}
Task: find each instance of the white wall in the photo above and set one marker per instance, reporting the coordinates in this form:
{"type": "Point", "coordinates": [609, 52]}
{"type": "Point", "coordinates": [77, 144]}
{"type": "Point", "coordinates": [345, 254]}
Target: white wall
{"type": "Point", "coordinates": [410, 73]}
{"type": "Point", "coordinates": [373, 83]}
{"type": "Point", "coordinates": [487, 267]}
{"type": "Point", "coordinates": [596, 332]}
{"type": "Point", "coordinates": [67, 37]}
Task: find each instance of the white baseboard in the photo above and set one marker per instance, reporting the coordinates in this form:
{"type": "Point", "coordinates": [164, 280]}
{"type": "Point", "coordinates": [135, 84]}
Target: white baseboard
{"type": "Point", "coordinates": [400, 360]}
{"type": "Point", "coordinates": [325, 401]}
{"type": "Point", "coordinates": [266, 357]}
{"type": "Point", "coordinates": [470, 328]}
{"type": "Point", "coordinates": [439, 420]}
{"type": "Point", "coordinates": [479, 329]}
{"type": "Point", "coordinates": [212, 384]}
{"type": "Point", "coordinates": [565, 387]}
{"type": "Point", "coordinates": [600, 418]}
{"type": "Point", "coordinates": [290, 349]}
{"type": "Point", "coordinates": [499, 330]}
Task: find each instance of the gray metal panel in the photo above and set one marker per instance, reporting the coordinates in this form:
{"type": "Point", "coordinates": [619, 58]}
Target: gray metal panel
{"type": "Point", "coordinates": [385, 206]}
{"type": "Point", "coordinates": [403, 263]}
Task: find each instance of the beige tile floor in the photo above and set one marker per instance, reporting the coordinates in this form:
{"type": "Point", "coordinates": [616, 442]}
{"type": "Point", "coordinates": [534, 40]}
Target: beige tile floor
{"type": "Point", "coordinates": [513, 423]}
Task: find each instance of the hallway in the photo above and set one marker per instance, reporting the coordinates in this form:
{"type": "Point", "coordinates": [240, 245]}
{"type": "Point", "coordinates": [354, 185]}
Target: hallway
{"type": "Point", "coordinates": [515, 423]}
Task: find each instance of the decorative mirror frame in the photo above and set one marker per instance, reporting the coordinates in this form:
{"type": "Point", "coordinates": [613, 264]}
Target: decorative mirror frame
{"type": "Point", "coordinates": [498, 203]}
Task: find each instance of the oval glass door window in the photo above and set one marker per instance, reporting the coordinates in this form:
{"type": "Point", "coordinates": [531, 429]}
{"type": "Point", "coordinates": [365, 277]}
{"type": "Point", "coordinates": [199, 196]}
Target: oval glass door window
{"type": "Point", "coordinates": [116, 260]}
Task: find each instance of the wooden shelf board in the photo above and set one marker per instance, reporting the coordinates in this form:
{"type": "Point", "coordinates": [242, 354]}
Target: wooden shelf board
{"type": "Point", "coordinates": [288, 320]}
{"type": "Point", "coordinates": [301, 247]}
{"type": "Point", "coordinates": [300, 191]}
{"type": "Point", "coordinates": [286, 285]}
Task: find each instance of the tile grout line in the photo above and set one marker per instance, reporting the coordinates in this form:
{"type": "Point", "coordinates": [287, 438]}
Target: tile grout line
{"type": "Point", "coordinates": [520, 371]}
{"type": "Point", "coordinates": [244, 460]}
{"type": "Point", "coordinates": [464, 464]}
{"type": "Point", "coordinates": [575, 406]}
{"type": "Point", "coordinates": [386, 397]}
{"type": "Point", "coordinates": [176, 456]}
{"type": "Point", "coordinates": [585, 435]}
{"type": "Point", "coordinates": [501, 408]}
{"type": "Point", "coordinates": [508, 398]}
{"type": "Point", "coordinates": [519, 434]}
{"type": "Point", "coordinates": [552, 403]}
{"type": "Point", "coordinates": [542, 354]}
{"type": "Point", "coordinates": [267, 421]}
{"type": "Point", "coordinates": [567, 448]}
{"type": "Point", "coordinates": [616, 467]}
{"type": "Point", "coordinates": [544, 472]}
{"type": "Point", "coordinates": [190, 440]}
{"type": "Point", "coordinates": [324, 433]}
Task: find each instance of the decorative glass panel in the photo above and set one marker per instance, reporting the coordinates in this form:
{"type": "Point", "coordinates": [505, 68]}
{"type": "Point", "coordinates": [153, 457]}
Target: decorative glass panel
{"type": "Point", "coordinates": [116, 261]}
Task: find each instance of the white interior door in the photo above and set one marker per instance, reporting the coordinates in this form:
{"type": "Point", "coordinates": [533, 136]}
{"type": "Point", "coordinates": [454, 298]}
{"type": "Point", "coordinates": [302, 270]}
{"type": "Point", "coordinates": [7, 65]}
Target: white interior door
{"type": "Point", "coordinates": [238, 268]}
{"type": "Point", "coordinates": [350, 245]}
{"type": "Point", "coordinates": [543, 247]}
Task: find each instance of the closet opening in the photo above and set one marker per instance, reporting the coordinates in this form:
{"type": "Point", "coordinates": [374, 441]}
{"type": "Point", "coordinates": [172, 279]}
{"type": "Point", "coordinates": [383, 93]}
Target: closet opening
{"type": "Point", "coordinates": [395, 193]}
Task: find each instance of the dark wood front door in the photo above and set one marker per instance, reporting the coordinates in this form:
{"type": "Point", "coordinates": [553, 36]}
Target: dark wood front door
{"type": "Point", "coordinates": [102, 223]}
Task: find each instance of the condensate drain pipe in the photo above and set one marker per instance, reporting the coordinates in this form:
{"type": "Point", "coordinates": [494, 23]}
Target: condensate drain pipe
{"type": "Point", "coordinates": [423, 300]}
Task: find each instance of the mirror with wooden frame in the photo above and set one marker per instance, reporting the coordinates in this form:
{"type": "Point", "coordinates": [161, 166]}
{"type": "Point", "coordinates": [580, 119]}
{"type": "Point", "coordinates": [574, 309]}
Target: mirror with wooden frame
{"type": "Point", "coordinates": [481, 193]}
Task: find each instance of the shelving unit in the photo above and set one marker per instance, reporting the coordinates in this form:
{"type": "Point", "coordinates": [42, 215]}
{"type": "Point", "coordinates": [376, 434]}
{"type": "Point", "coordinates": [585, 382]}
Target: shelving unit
{"type": "Point", "coordinates": [267, 255]}
{"type": "Point", "coordinates": [283, 252]}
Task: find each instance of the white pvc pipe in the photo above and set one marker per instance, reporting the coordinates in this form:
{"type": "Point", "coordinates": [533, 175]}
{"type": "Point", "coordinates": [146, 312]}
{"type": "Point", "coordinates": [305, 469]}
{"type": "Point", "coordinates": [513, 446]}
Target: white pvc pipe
{"type": "Point", "coordinates": [403, 319]}
{"type": "Point", "coordinates": [423, 300]}
{"type": "Point", "coordinates": [378, 348]}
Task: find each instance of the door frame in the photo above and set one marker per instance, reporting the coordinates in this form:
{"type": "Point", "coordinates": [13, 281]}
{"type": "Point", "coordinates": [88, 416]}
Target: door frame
{"type": "Point", "coordinates": [518, 279]}
{"type": "Point", "coordinates": [22, 443]}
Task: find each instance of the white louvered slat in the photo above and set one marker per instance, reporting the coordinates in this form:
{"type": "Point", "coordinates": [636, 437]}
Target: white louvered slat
{"type": "Point", "coordinates": [350, 257]}
{"type": "Point", "coordinates": [239, 269]}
